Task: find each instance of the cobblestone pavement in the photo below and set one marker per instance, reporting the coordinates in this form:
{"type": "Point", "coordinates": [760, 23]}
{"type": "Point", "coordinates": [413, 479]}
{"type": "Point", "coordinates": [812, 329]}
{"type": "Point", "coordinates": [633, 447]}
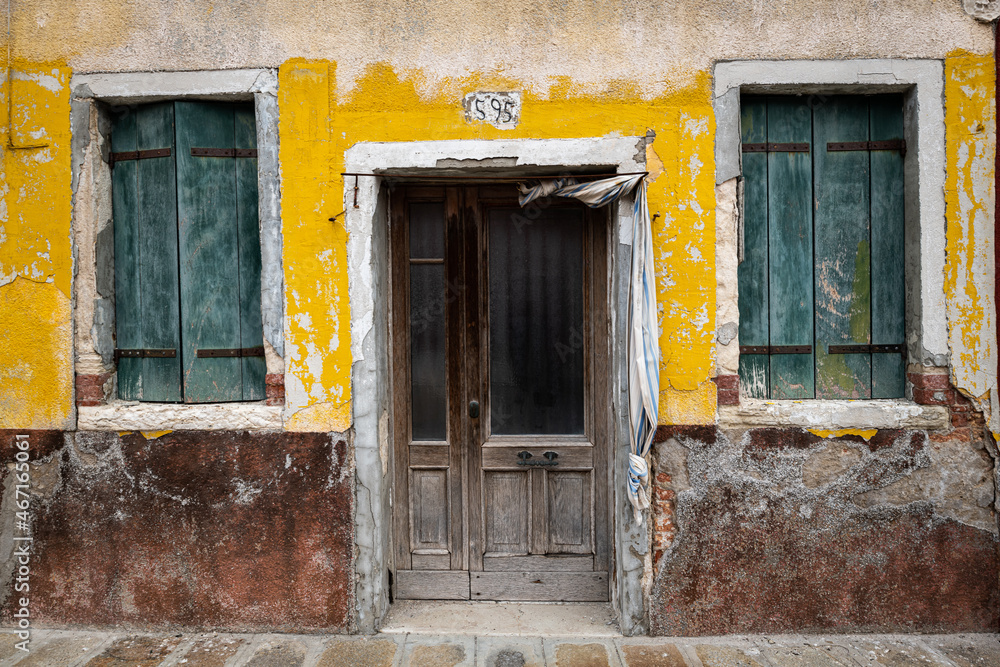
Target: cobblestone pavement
{"type": "Point", "coordinates": [62, 648]}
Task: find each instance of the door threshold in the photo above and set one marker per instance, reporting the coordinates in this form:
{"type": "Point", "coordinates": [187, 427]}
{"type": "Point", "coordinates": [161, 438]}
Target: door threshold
{"type": "Point", "coordinates": [526, 619]}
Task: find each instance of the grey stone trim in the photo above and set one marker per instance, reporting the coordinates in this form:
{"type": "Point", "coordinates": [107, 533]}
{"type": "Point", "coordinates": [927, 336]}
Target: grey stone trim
{"type": "Point", "coordinates": [922, 83]}
{"type": "Point", "coordinates": [92, 96]}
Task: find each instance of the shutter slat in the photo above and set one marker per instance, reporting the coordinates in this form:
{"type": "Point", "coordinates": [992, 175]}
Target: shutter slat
{"type": "Point", "coordinates": [125, 214]}
{"type": "Point", "coordinates": [251, 329]}
{"type": "Point", "coordinates": [790, 246]}
{"type": "Point", "coordinates": [887, 234]}
{"type": "Point", "coordinates": [158, 254]}
{"type": "Point", "coordinates": [209, 275]}
{"type": "Point", "coordinates": [843, 249]}
{"type": "Point", "coordinates": [752, 272]}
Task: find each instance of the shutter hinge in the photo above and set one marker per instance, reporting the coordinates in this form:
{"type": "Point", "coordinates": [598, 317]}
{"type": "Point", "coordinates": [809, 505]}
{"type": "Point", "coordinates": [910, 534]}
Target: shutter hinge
{"type": "Point", "coordinates": [776, 349]}
{"type": "Point", "coordinates": [137, 155]}
{"type": "Point", "coordinates": [158, 353]}
{"type": "Point", "coordinates": [231, 352]}
{"type": "Point", "coordinates": [890, 145]}
{"type": "Point", "coordinates": [772, 147]}
{"type": "Point", "coordinates": [224, 152]}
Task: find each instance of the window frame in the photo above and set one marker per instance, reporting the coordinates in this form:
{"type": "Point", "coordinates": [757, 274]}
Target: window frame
{"type": "Point", "coordinates": [92, 97]}
{"type": "Point", "coordinates": [921, 82]}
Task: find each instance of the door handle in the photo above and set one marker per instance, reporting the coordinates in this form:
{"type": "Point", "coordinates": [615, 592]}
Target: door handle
{"type": "Point", "coordinates": [550, 459]}
{"type": "Point", "coordinates": [474, 409]}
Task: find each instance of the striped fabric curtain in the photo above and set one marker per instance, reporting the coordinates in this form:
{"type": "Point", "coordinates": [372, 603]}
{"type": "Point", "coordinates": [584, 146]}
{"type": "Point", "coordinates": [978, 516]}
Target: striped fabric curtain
{"type": "Point", "coordinates": [643, 330]}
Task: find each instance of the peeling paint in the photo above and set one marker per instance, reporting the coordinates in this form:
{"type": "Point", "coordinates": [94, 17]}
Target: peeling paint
{"type": "Point", "coordinates": [386, 105]}
{"type": "Point", "coordinates": [839, 433]}
{"type": "Point", "coordinates": [970, 119]}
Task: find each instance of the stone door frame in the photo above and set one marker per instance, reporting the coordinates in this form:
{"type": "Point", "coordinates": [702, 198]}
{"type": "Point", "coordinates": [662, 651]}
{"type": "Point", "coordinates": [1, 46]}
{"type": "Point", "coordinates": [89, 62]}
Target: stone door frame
{"type": "Point", "coordinates": [366, 219]}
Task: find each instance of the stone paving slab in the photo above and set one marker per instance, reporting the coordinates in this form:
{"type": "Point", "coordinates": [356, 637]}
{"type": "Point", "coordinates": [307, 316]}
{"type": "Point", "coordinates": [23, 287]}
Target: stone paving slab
{"type": "Point", "coordinates": [56, 648]}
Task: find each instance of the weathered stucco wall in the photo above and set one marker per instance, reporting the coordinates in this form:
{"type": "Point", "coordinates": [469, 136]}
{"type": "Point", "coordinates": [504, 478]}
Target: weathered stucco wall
{"type": "Point", "coordinates": [378, 76]}
{"type": "Point", "coordinates": [234, 530]}
{"type": "Point", "coordinates": [646, 46]}
{"type": "Point", "coordinates": [767, 529]}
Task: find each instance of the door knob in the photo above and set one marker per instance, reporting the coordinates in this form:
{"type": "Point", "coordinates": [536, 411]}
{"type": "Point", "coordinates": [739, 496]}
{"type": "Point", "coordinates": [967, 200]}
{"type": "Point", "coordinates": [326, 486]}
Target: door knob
{"type": "Point", "coordinates": [474, 409]}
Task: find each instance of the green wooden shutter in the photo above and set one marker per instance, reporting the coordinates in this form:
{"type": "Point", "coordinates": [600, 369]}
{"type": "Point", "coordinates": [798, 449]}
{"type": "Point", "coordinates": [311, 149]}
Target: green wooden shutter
{"type": "Point", "coordinates": [823, 240]}
{"type": "Point", "coordinates": [251, 327]}
{"type": "Point", "coordinates": [790, 242]}
{"type": "Point", "coordinates": [752, 274]}
{"type": "Point", "coordinates": [218, 283]}
{"type": "Point", "coordinates": [843, 249]}
{"type": "Point", "coordinates": [888, 283]}
{"type": "Point", "coordinates": [144, 211]}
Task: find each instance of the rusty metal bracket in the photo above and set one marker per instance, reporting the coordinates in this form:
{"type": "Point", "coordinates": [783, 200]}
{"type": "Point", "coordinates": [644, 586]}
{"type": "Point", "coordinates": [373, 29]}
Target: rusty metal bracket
{"type": "Point", "coordinates": [155, 353]}
{"type": "Point", "coordinates": [774, 147]}
{"type": "Point", "coordinates": [867, 349]}
{"type": "Point", "coordinates": [231, 352]}
{"type": "Point", "coordinates": [888, 145]}
{"type": "Point", "coordinates": [125, 156]}
{"type": "Point", "coordinates": [224, 152]}
{"type": "Point", "coordinates": [776, 349]}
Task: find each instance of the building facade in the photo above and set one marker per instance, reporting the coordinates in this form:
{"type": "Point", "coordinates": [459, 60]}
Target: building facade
{"type": "Point", "coordinates": [285, 347]}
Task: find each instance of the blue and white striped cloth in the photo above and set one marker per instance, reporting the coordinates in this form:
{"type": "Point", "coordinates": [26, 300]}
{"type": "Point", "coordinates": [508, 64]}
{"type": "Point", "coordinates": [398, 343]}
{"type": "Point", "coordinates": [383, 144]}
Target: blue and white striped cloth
{"type": "Point", "coordinates": [643, 330]}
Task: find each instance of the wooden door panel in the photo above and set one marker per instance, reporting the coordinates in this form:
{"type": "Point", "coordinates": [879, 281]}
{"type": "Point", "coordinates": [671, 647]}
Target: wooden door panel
{"type": "Point", "coordinates": [431, 585]}
{"type": "Point", "coordinates": [540, 586]}
{"type": "Point", "coordinates": [506, 503]}
{"type": "Point", "coordinates": [568, 512]}
{"type": "Point", "coordinates": [542, 563]}
{"type": "Point", "coordinates": [429, 511]}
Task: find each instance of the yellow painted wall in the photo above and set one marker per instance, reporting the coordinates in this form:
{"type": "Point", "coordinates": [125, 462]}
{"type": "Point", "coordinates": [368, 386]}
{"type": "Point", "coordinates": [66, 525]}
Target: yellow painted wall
{"type": "Point", "coordinates": [318, 124]}
{"type": "Point", "coordinates": [970, 132]}
{"type": "Point", "coordinates": [36, 373]}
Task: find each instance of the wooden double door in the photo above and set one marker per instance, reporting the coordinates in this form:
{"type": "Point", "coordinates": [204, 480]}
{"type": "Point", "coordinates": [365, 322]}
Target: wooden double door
{"type": "Point", "coordinates": [500, 396]}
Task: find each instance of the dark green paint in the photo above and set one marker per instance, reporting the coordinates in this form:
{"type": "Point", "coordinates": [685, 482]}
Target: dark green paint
{"type": "Point", "coordinates": [144, 210]}
{"type": "Point", "coordinates": [752, 272]}
{"type": "Point", "coordinates": [158, 253]}
{"type": "Point", "coordinates": [887, 222]}
{"type": "Point", "coordinates": [125, 214]}
{"type": "Point", "coordinates": [251, 328]}
{"type": "Point", "coordinates": [790, 242]}
{"type": "Point", "coordinates": [830, 270]}
{"type": "Point", "coordinates": [209, 276]}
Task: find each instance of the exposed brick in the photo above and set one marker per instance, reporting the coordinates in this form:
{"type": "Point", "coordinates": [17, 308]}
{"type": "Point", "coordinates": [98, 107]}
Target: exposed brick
{"type": "Point", "coordinates": [90, 389]}
{"type": "Point", "coordinates": [938, 381]}
{"type": "Point", "coordinates": [931, 396]}
{"type": "Point", "coordinates": [959, 419]}
{"type": "Point", "coordinates": [728, 397]}
{"type": "Point", "coordinates": [728, 382]}
{"type": "Point", "coordinates": [274, 389]}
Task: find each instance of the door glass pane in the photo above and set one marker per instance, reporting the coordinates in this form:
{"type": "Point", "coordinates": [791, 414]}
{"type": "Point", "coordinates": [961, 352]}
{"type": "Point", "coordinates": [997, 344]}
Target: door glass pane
{"type": "Point", "coordinates": [536, 322]}
{"type": "Point", "coordinates": [427, 230]}
{"type": "Point", "coordinates": [427, 322]}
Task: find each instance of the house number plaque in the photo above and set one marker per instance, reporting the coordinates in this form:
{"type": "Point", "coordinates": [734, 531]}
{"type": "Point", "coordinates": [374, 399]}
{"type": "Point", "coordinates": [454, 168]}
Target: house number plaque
{"type": "Point", "coordinates": [501, 110]}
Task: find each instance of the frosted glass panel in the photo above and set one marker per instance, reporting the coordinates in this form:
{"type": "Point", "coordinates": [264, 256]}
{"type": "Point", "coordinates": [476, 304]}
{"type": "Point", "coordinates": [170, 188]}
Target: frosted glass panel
{"type": "Point", "coordinates": [536, 322]}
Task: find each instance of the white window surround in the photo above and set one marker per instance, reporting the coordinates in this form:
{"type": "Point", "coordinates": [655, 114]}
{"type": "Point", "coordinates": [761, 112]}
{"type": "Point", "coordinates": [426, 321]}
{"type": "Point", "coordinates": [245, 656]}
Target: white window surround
{"type": "Point", "coordinates": [922, 82]}
{"type": "Point", "coordinates": [92, 94]}
{"type": "Point", "coordinates": [367, 223]}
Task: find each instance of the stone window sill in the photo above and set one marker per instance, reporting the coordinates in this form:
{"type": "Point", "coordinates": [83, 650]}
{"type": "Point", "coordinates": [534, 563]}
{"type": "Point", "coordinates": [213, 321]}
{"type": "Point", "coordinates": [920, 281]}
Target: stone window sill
{"type": "Point", "coordinates": [834, 415]}
{"type": "Point", "coordinates": [134, 416]}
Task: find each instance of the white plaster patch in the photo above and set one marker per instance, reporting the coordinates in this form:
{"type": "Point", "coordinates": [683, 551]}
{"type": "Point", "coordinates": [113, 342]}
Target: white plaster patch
{"type": "Point", "coordinates": [48, 82]}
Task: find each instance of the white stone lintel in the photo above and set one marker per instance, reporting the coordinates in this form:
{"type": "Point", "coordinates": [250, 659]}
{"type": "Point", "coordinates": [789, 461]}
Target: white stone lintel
{"type": "Point", "coordinates": [133, 416]}
{"type": "Point", "coordinates": [834, 415]}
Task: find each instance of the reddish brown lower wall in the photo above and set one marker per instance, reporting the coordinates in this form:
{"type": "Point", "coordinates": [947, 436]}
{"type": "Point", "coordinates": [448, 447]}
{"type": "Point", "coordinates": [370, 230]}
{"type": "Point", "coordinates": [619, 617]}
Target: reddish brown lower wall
{"type": "Point", "coordinates": [233, 530]}
{"type": "Point", "coordinates": [779, 530]}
